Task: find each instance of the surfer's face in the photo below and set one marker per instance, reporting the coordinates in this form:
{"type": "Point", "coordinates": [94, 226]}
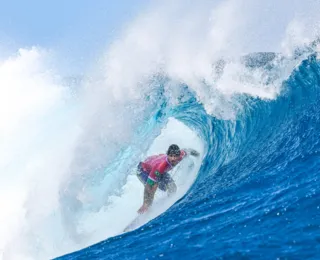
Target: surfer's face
{"type": "Point", "coordinates": [173, 159]}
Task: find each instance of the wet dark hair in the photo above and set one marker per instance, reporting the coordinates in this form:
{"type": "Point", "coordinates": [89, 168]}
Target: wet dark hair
{"type": "Point", "coordinates": [173, 150]}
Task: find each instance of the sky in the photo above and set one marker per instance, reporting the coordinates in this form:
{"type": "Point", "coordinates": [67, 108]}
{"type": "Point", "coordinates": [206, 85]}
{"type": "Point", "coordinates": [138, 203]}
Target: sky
{"type": "Point", "coordinates": [77, 30]}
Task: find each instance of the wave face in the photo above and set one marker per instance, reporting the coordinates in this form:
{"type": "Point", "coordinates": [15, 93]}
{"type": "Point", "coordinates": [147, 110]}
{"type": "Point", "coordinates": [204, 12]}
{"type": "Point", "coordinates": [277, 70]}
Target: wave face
{"type": "Point", "coordinates": [69, 146]}
{"type": "Point", "coordinates": [257, 189]}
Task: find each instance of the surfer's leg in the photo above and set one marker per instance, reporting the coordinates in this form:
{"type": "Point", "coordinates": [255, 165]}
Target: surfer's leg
{"type": "Point", "coordinates": [167, 184]}
{"type": "Point", "coordinates": [142, 175]}
{"type": "Point", "coordinates": [172, 188]}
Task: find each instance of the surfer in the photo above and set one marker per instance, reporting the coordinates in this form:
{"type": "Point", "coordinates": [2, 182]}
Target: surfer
{"type": "Point", "coordinates": [153, 173]}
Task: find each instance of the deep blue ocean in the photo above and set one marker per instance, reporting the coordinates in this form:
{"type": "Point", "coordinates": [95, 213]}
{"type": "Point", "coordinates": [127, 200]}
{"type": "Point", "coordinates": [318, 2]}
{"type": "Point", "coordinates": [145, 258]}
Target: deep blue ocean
{"type": "Point", "coordinates": [257, 193]}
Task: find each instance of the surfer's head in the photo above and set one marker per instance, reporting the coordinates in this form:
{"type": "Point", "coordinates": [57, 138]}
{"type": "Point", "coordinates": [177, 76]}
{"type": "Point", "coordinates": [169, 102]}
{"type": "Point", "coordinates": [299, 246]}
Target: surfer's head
{"type": "Point", "coordinates": [173, 154]}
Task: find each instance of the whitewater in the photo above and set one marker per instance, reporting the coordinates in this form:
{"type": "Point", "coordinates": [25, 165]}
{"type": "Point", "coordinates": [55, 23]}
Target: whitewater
{"type": "Point", "coordinates": [236, 80]}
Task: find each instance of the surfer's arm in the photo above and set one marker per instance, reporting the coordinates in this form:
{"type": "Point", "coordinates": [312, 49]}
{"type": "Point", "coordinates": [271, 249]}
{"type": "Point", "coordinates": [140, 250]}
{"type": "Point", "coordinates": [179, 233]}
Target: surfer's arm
{"type": "Point", "coordinates": [150, 189]}
{"type": "Point", "coordinates": [148, 196]}
{"type": "Point", "coordinates": [192, 152]}
{"type": "Point", "coordinates": [149, 192]}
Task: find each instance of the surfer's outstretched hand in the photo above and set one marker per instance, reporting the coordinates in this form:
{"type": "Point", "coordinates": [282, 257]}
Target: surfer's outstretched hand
{"type": "Point", "coordinates": [192, 152]}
